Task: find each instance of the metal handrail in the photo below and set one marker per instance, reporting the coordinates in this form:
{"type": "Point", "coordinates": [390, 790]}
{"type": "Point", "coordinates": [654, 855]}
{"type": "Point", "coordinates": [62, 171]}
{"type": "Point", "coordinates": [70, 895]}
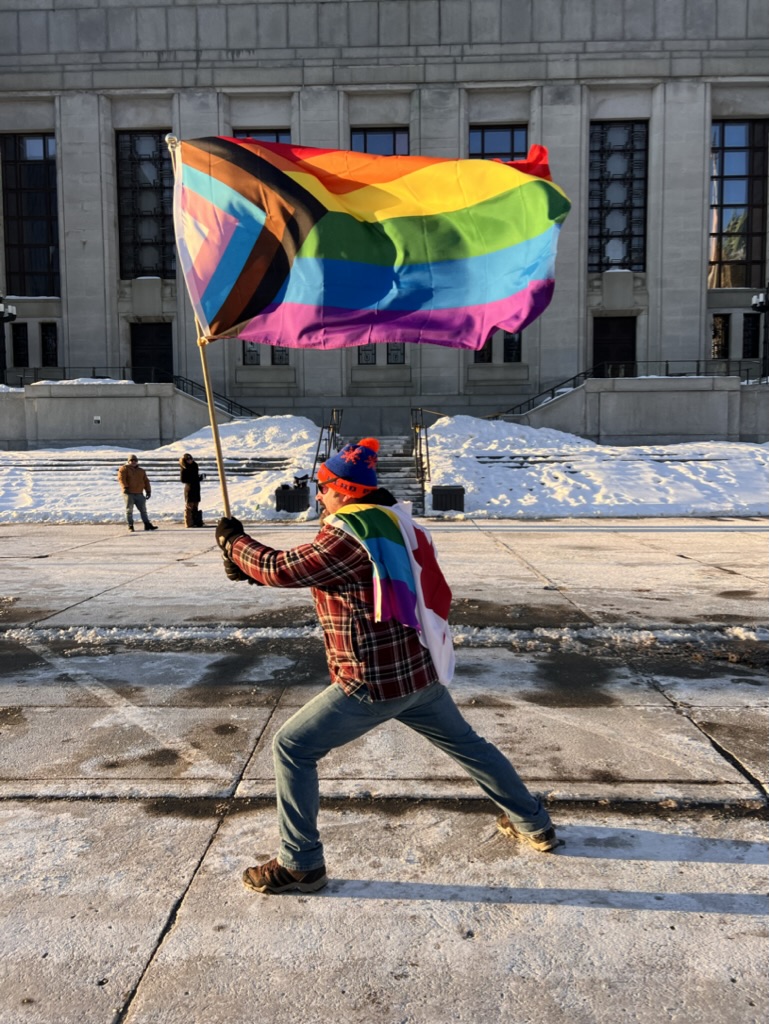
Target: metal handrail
{"type": "Point", "coordinates": [421, 449]}
{"type": "Point", "coordinates": [742, 368]}
{"type": "Point", "coordinates": [330, 435]}
{"type": "Point", "coordinates": [195, 390]}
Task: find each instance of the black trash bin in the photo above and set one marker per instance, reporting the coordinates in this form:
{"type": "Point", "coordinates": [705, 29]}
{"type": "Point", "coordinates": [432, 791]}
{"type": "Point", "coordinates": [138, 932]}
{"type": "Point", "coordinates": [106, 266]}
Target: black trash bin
{"type": "Point", "coordinates": [448, 499]}
{"type": "Point", "coordinates": [292, 499]}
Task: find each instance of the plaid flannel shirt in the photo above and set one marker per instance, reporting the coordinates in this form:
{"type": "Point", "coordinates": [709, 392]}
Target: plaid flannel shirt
{"type": "Point", "coordinates": [385, 657]}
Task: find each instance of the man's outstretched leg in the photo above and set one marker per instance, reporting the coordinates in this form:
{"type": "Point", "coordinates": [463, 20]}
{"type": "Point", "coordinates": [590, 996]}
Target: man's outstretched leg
{"type": "Point", "coordinates": [328, 721]}
{"type": "Point", "coordinates": [438, 719]}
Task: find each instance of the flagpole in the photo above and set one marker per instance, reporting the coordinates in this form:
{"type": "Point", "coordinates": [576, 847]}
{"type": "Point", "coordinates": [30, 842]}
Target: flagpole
{"type": "Point", "coordinates": [173, 143]}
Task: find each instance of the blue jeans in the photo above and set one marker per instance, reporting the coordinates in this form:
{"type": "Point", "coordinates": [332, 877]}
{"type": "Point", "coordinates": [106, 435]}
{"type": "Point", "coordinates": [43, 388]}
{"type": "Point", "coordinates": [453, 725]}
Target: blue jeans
{"type": "Point", "coordinates": [332, 719]}
{"type": "Point", "coordinates": [141, 503]}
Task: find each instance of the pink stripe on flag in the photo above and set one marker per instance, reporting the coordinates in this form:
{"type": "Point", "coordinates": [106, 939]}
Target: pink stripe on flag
{"type": "Point", "coordinates": [327, 328]}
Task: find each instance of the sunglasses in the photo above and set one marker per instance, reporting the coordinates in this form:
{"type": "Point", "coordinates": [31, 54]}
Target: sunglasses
{"type": "Point", "coordinates": [322, 488]}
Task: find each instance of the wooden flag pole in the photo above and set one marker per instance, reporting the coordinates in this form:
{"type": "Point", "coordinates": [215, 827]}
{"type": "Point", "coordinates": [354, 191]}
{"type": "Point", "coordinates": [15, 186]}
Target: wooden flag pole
{"type": "Point", "coordinates": [202, 343]}
{"type": "Point", "coordinates": [173, 143]}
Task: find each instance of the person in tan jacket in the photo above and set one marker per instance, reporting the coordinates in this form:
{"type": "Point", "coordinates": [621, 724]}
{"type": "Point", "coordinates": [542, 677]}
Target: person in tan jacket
{"type": "Point", "coordinates": [136, 489]}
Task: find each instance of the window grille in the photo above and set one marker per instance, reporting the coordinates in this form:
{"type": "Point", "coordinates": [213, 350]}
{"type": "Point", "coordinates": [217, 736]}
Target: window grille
{"type": "Point", "coordinates": [30, 214]}
{"type": "Point", "coordinates": [49, 344]}
{"type": "Point", "coordinates": [738, 202]}
{"type": "Point", "coordinates": [279, 355]}
{"type": "Point", "coordinates": [366, 355]}
{"type": "Point", "coordinates": [145, 185]}
{"type": "Point", "coordinates": [720, 346]}
{"type": "Point", "coordinates": [251, 356]}
{"type": "Point", "coordinates": [617, 195]}
{"type": "Point", "coordinates": [396, 353]}
{"type": "Point", "coordinates": [498, 142]}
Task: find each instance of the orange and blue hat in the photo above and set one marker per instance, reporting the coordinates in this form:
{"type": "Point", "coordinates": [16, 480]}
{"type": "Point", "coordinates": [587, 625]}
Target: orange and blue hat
{"type": "Point", "coordinates": [352, 470]}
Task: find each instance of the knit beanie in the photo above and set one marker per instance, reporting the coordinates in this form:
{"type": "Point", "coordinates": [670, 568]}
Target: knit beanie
{"type": "Point", "coordinates": [352, 471]}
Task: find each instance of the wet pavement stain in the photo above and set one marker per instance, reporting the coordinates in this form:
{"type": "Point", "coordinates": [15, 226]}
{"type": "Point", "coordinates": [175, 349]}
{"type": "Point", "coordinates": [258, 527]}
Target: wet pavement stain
{"type": "Point", "coordinates": [12, 718]}
{"type": "Point", "coordinates": [162, 758]}
{"type": "Point", "coordinates": [571, 680]}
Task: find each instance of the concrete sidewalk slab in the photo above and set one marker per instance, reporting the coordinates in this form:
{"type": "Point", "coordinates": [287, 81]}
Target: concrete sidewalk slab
{"type": "Point", "coordinates": [642, 573]}
{"type": "Point", "coordinates": [568, 754]}
{"type": "Point", "coordinates": [136, 912]}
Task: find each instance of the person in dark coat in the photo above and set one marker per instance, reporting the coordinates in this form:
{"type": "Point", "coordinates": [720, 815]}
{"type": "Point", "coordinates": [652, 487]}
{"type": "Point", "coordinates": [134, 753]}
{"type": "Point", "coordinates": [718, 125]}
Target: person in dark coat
{"type": "Point", "coordinates": [191, 476]}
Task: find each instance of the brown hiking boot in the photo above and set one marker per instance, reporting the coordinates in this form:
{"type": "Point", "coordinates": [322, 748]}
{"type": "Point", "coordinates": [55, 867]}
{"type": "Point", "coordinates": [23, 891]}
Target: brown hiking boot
{"type": "Point", "coordinates": [272, 878]}
{"type": "Point", "coordinates": [544, 841]}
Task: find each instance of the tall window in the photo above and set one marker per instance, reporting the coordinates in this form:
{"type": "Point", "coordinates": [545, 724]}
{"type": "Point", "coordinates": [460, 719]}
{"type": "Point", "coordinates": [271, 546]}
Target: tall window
{"type": "Point", "coordinates": [498, 142]}
{"type": "Point", "coordinates": [263, 134]}
{"type": "Point", "coordinates": [738, 172]}
{"type": "Point", "coordinates": [617, 199]}
{"type": "Point", "coordinates": [145, 186]}
{"type": "Point", "coordinates": [20, 344]}
{"type": "Point", "coordinates": [29, 211]}
{"type": "Point", "coordinates": [382, 142]}
{"type": "Point", "coordinates": [751, 324]}
{"type": "Point", "coordinates": [720, 347]}
{"type": "Point", "coordinates": [49, 344]}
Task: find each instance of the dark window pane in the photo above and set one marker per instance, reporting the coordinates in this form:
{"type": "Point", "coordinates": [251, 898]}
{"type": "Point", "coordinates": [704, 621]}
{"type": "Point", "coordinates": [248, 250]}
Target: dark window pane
{"type": "Point", "coordinates": [484, 355]}
{"type": "Point", "coordinates": [49, 345]}
{"type": "Point", "coordinates": [498, 142]}
{"type": "Point", "coordinates": [367, 355]}
{"type": "Point", "coordinates": [720, 348]}
{"type": "Point", "coordinates": [282, 135]}
{"type": "Point", "coordinates": [751, 323]}
{"type": "Point", "coordinates": [513, 347]}
{"type": "Point", "coordinates": [380, 141]}
{"type": "Point", "coordinates": [396, 353]}
{"type": "Point", "coordinates": [20, 344]}
{"type": "Point", "coordinates": [279, 355]}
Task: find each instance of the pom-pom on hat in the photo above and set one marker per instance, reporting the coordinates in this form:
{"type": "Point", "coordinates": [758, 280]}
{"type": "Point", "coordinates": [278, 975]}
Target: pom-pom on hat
{"type": "Point", "coordinates": [352, 471]}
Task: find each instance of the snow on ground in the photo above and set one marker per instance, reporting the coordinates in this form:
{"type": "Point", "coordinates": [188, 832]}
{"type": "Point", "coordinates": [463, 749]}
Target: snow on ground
{"type": "Point", "coordinates": [509, 471]}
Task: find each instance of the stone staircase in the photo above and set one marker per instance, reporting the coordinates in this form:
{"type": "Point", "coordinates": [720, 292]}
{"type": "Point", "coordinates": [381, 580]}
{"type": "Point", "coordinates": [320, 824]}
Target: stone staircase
{"type": "Point", "coordinates": [160, 469]}
{"type": "Point", "coordinates": [396, 470]}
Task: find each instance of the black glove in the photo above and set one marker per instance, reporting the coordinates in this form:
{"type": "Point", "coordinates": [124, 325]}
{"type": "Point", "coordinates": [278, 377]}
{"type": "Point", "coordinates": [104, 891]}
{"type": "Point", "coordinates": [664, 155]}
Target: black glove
{"type": "Point", "coordinates": [236, 575]}
{"type": "Point", "coordinates": [233, 572]}
{"type": "Point", "coordinates": [228, 530]}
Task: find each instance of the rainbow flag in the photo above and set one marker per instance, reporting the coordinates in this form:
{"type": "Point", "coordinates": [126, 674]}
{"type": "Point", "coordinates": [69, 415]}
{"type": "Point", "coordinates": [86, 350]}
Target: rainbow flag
{"type": "Point", "coordinates": [409, 585]}
{"type": "Point", "coordinates": [318, 248]}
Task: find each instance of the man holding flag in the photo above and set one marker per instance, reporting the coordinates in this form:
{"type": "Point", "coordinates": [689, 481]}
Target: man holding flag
{"type": "Point", "coordinates": [383, 605]}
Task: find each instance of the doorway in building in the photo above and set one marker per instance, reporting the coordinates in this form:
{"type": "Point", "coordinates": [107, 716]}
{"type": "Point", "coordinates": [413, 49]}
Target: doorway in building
{"type": "Point", "coordinates": [152, 353]}
{"type": "Point", "coordinates": [614, 346]}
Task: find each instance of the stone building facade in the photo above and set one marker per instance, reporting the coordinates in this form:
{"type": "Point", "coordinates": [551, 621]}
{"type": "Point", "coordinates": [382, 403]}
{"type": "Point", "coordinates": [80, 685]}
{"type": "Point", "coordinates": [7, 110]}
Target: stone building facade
{"type": "Point", "coordinates": [655, 114]}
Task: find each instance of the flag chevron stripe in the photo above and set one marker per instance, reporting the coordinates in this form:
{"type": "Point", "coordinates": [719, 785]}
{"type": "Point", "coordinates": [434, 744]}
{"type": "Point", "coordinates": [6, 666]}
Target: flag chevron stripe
{"type": "Point", "coordinates": [315, 231]}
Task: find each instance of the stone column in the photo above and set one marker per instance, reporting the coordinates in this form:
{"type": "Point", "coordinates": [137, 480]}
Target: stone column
{"type": "Point", "coordinates": [90, 325]}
